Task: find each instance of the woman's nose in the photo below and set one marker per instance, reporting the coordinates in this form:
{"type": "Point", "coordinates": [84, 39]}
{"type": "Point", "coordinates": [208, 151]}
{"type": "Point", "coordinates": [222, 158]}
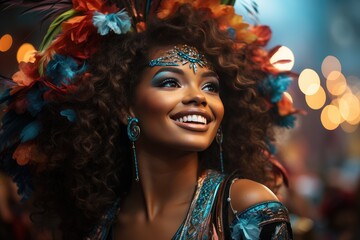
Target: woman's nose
{"type": "Point", "coordinates": [194, 96]}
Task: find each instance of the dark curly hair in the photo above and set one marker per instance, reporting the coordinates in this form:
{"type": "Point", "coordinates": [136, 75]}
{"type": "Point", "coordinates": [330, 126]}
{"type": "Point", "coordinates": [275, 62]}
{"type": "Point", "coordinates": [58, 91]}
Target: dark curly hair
{"type": "Point", "coordinates": [88, 161]}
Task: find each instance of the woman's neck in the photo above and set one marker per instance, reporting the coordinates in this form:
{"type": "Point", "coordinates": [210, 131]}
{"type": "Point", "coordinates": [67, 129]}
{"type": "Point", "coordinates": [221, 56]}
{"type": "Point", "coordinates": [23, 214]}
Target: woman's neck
{"type": "Point", "coordinates": [166, 180]}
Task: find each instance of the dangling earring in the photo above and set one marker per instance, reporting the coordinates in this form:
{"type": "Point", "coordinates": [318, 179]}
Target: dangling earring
{"type": "Point", "coordinates": [133, 132]}
{"type": "Point", "coordinates": [219, 140]}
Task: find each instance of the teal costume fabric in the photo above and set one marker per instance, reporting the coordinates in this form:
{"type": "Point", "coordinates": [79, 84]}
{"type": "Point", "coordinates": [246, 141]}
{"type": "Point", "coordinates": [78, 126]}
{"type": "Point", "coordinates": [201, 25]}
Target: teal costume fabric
{"type": "Point", "coordinates": [266, 220]}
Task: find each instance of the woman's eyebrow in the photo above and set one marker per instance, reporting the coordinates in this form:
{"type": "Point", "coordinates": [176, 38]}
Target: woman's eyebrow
{"type": "Point", "coordinates": [209, 74]}
{"type": "Point", "coordinates": [170, 69]}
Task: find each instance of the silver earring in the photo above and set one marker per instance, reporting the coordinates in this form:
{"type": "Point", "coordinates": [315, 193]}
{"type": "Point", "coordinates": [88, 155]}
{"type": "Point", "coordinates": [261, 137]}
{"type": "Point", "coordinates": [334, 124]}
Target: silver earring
{"type": "Point", "coordinates": [219, 140]}
{"type": "Point", "coordinates": [133, 132]}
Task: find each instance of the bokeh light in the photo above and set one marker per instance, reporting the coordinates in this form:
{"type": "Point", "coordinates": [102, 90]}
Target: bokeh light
{"type": "Point", "coordinates": [26, 53]}
{"type": "Point", "coordinates": [309, 81]}
{"type": "Point", "coordinates": [317, 100]}
{"type": "Point", "coordinates": [288, 96]}
{"type": "Point", "coordinates": [354, 82]}
{"type": "Point", "coordinates": [6, 42]}
{"type": "Point", "coordinates": [349, 107]}
{"type": "Point", "coordinates": [336, 102]}
{"type": "Point", "coordinates": [336, 83]}
{"type": "Point", "coordinates": [330, 64]}
{"type": "Point", "coordinates": [283, 53]}
{"type": "Point", "coordinates": [349, 128]}
{"type": "Point", "coordinates": [330, 117]}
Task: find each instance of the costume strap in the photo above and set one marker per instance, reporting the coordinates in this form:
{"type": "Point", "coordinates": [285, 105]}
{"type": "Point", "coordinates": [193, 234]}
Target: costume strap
{"type": "Point", "coordinates": [221, 206]}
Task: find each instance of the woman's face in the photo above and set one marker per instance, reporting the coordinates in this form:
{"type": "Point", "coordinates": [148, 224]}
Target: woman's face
{"type": "Point", "coordinates": [178, 108]}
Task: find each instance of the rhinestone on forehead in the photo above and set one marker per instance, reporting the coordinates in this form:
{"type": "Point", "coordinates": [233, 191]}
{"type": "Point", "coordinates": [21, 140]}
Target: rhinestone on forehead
{"type": "Point", "coordinates": [181, 54]}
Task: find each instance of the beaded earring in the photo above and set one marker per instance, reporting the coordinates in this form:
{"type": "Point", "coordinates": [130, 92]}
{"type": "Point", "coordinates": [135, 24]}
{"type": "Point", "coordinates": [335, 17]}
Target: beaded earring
{"type": "Point", "coordinates": [133, 132]}
{"type": "Point", "coordinates": [219, 140]}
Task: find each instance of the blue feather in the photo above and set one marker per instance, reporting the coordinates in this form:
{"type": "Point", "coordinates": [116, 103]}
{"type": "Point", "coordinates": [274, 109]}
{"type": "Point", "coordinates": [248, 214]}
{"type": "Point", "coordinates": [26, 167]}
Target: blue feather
{"type": "Point", "coordinates": [118, 22]}
{"type": "Point", "coordinates": [232, 32]}
{"type": "Point", "coordinates": [20, 174]}
{"type": "Point", "coordinates": [272, 147]}
{"type": "Point", "coordinates": [35, 101]}
{"type": "Point", "coordinates": [287, 121]}
{"type": "Point", "coordinates": [12, 124]}
{"type": "Point", "coordinates": [274, 86]}
{"type": "Point", "coordinates": [69, 114]}
{"type": "Point", "coordinates": [62, 69]}
{"type": "Point", "coordinates": [30, 131]}
{"type": "Point", "coordinates": [5, 95]}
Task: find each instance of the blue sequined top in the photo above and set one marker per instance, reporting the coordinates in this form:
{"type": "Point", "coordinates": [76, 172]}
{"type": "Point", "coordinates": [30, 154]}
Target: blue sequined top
{"type": "Point", "coordinates": [266, 220]}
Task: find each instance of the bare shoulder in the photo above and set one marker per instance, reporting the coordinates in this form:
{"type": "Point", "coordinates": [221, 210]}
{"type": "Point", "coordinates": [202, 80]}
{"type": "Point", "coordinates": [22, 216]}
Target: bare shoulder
{"type": "Point", "coordinates": [245, 193]}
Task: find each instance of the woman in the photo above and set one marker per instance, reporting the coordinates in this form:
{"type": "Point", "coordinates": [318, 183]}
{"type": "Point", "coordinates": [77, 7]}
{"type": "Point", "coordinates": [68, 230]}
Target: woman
{"type": "Point", "coordinates": [151, 124]}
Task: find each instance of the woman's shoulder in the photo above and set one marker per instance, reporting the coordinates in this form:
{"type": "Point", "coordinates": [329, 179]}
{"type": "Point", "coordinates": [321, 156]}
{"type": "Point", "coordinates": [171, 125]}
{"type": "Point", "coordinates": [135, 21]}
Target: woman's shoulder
{"type": "Point", "coordinates": [256, 212]}
{"type": "Point", "coordinates": [245, 193]}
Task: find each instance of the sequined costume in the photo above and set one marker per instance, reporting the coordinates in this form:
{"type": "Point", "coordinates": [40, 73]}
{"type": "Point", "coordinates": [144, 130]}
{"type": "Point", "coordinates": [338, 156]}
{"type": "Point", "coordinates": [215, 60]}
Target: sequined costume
{"type": "Point", "coordinates": [266, 220]}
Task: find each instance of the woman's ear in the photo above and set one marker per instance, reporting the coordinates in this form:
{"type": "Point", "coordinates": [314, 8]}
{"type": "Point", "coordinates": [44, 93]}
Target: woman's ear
{"type": "Point", "coordinates": [125, 114]}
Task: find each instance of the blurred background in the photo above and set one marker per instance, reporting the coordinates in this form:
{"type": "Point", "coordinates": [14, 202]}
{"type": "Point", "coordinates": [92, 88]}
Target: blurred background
{"type": "Point", "coordinates": [322, 153]}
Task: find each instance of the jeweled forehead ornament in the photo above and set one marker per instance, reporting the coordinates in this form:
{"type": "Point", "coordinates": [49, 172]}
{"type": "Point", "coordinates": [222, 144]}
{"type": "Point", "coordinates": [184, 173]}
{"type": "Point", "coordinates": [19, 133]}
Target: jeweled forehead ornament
{"type": "Point", "coordinates": [181, 54]}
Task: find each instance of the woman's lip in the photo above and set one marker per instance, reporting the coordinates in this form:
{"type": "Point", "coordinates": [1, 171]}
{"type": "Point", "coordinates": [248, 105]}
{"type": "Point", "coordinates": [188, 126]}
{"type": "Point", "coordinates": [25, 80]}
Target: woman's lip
{"type": "Point", "coordinates": [192, 112]}
{"type": "Point", "coordinates": [197, 127]}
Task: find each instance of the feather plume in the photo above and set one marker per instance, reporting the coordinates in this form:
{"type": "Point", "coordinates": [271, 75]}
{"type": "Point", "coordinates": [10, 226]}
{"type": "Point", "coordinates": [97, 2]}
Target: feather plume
{"type": "Point", "coordinates": [21, 174]}
{"type": "Point", "coordinates": [251, 8]}
{"type": "Point", "coordinates": [228, 2]}
{"type": "Point", "coordinates": [5, 82]}
{"type": "Point", "coordinates": [151, 8]}
{"type": "Point", "coordinates": [11, 128]}
{"type": "Point", "coordinates": [139, 10]}
{"type": "Point", "coordinates": [55, 28]}
{"type": "Point", "coordinates": [53, 8]}
{"type": "Point", "coordinates": [5, 95]}
{"type": "Point", "coordinates": [30, 131]}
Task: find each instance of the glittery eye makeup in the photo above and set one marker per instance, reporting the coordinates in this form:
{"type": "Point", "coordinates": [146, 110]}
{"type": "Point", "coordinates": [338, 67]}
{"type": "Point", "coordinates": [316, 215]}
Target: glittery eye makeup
{"type": "Point", "coordinates": [166, 76]}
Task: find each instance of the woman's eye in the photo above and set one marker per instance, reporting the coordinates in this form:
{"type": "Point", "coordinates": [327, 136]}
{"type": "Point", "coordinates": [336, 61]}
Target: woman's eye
{"type": "Point", "coordinates": [170, 83]}
{"type": "Point", "coordinates": [211, 87]}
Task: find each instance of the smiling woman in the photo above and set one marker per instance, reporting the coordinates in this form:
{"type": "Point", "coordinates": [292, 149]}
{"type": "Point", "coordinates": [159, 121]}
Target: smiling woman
{"type": "Point", "coordinates": [178, 107]}
{"type": "Point", "coordinates": [150, 130]}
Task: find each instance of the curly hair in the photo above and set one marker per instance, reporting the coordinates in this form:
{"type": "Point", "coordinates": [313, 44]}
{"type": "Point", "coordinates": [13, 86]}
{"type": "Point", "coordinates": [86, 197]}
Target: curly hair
{"type": "Point", "coordinates": [88, 161]}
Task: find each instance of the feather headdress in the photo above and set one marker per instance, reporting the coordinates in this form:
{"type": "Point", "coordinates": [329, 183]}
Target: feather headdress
{"type": "Point", "coordinates": [73, 36]}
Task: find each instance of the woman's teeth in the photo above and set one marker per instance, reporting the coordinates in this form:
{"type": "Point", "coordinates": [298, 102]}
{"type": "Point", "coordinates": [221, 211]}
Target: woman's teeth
{"type": "Point", "coordinates": [193, 119]}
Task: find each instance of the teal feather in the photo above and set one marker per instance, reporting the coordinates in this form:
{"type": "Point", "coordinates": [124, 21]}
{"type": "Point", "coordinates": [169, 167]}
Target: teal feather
{"type": "Point", "coordinates": [30, 131]}
{"type": "Point", "coordinates": [12, 124]}
{"type": "Point", "coordinates": [274, 86]}
{"type": "Point", "coordinates": [118, 22]}
{"type": "Point", "coordinates": [287, 121]}
{"type": "Point", "coordinates": [35, 101]}
{"type": "Point", "coordinates": [20, 174]}
{"type": "Point", "coordinates": [62, 69]}
{"type": "Point", "coordinates": [69, 114]}
{"type": "Point", "coordinates": [5, 95]}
